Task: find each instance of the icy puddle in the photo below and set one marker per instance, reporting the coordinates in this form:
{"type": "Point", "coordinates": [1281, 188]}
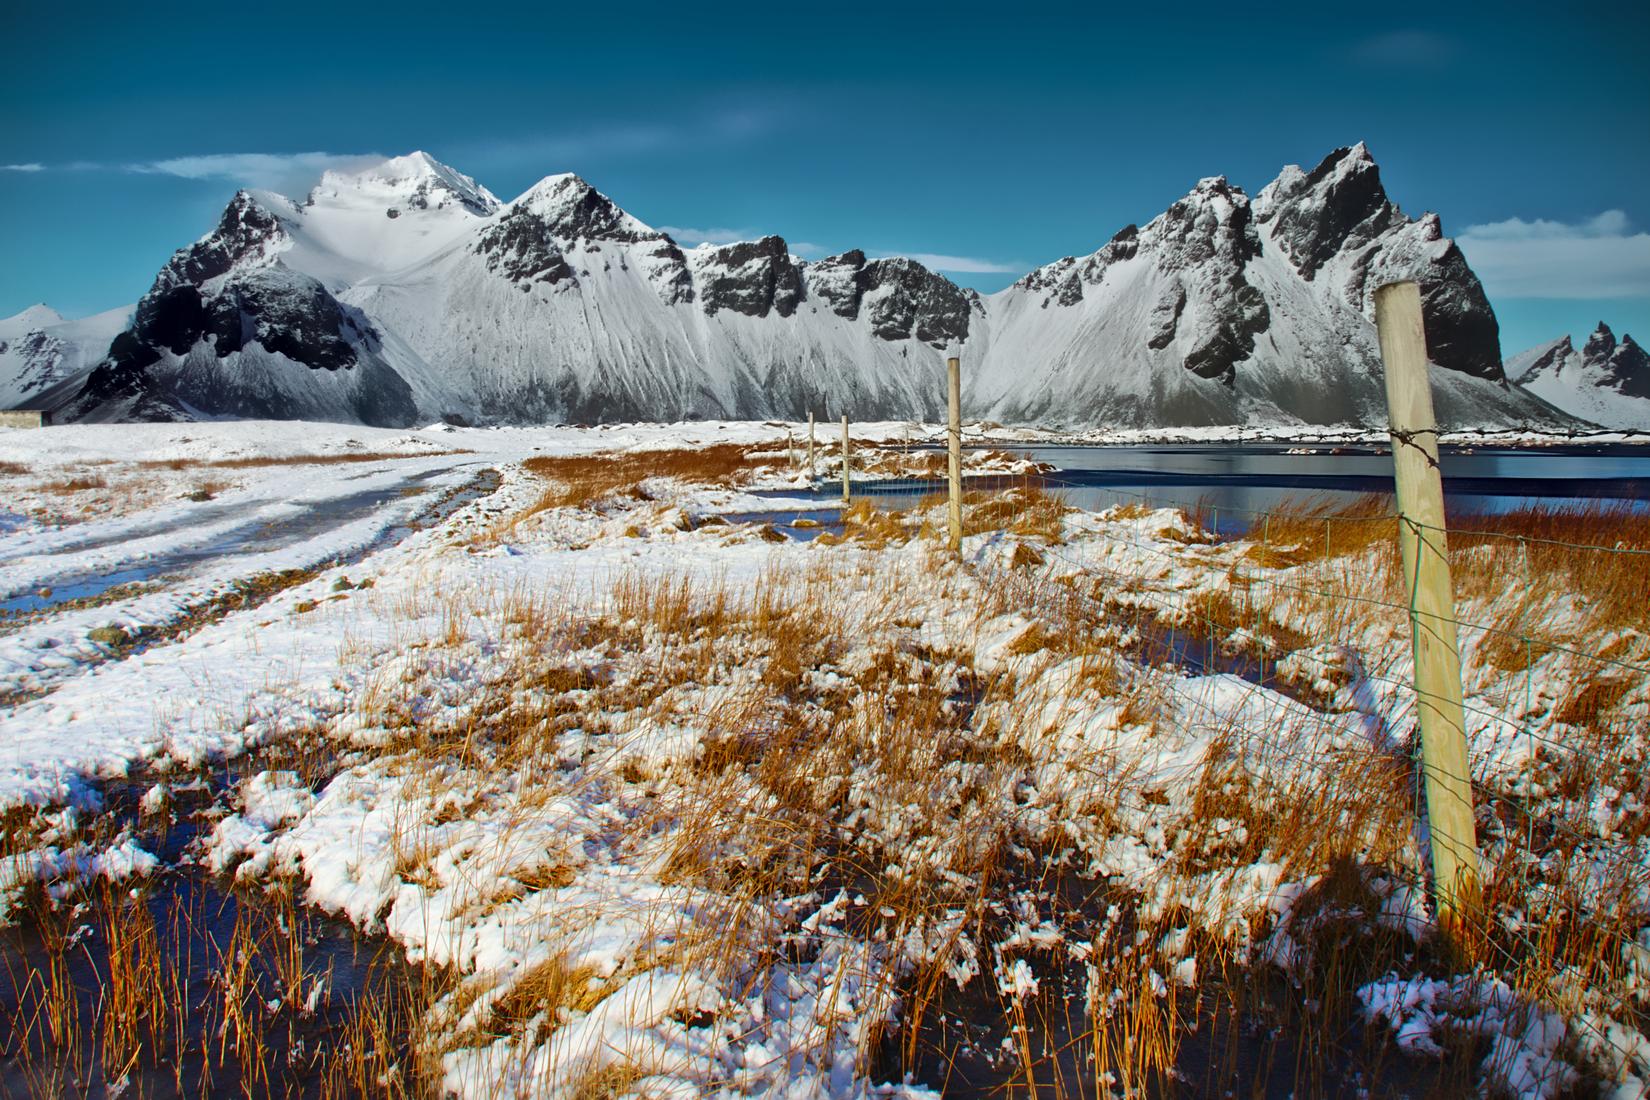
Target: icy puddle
{"type": "Point", "coordinates": [803, 526]}
{"type": "Point", "coordinates": [193, 517]}
{"type": "Point", "coordinates": [173, 982]}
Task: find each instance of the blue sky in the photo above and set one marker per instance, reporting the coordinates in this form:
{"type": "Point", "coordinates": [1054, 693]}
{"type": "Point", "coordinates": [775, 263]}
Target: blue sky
{"type": "Point", "coordinates": [1001, 136]}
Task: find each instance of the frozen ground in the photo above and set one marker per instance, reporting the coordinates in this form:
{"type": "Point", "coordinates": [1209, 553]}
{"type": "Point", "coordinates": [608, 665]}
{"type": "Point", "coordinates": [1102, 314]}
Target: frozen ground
{"type": "Point", "coordinates": [688, 808]}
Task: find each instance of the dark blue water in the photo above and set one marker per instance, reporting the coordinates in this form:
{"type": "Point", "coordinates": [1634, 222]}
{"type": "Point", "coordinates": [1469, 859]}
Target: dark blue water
{"type": "Point", "coordinates": [1250, 478]}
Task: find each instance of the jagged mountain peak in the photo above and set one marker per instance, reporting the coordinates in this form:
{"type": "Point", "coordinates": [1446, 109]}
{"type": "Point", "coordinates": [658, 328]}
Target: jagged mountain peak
{"type": "Point", "coordinates": [1218, 187]}
{"type": "Point", "coordinates": [1339, 204]}
{"type": "Point", "coordinates": [1626, 366]}
{"type": "Point", "coordinates": [415, 181]}
{"type": "Point", "coordinates": [1601, 343]}
{"type": "Point", "coordinates": [576, 211]}
{"type": "Point", "coordinates": [1606, 381]}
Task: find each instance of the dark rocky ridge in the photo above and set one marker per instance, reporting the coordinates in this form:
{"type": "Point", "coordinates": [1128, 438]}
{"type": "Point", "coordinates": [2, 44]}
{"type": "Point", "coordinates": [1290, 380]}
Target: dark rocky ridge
{"type": "Point", "coordinates": [256, 301]}
{"type": "Point", "coordinates": [1208, 238]}
{"type": "Point", "coordinates": [1340, 209]}
{"type": "Point", "coordinates": [752, 277]}
{"type": "Point", "coordinates": [1339, 205]}
{"type": "Point", "coordinates": [1552, 359]}
{"type": "Point", "coordinates": [521, 248]}
{"type": "Point", "coordinates": [1063, 280]}
{"type": "Point", "coordinates": [1626, 366]}
{"type": "Point", "coordinates": [1208, 257]}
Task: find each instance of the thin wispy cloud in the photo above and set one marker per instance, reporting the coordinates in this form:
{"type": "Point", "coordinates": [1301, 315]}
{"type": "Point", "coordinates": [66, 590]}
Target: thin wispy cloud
{"type": "Point", "coordinates": [290, 172]}
{"type": "Point", "coordinates": [576, 149]}
{"type": "Point", "coordinates": [1407, 49]}
{"type": "Point", "coordinates": [274, 171]}
{"type": "Point", "coordinates": [967, 265]}
{"type": "Point", "coordinates": [1601, 257]}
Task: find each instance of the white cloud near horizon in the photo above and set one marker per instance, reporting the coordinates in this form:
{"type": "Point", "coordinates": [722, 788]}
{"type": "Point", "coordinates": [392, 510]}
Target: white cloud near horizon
{"type": "Point", "coordinates": [29, 167]}
{"type": "Point", "coordinates": [1601, 257]}
{"type": "Point", "coordinates": [690, 236]}
{"type": "Point", "coordinates": [968, 265]}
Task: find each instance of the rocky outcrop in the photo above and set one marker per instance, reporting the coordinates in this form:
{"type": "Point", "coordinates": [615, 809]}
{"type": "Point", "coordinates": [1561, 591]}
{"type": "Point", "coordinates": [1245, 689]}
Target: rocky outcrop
{"type": "Point", "coordinates": [1607, 381]}
{"type": "Point", "coordinates": [755, 278]}
{"type": "Point", "coordinates": [1336, 225]}
{"type": "Point", "coordinates": [1622, 365]}
{"type": "Point", "coordinates": [521, 248]}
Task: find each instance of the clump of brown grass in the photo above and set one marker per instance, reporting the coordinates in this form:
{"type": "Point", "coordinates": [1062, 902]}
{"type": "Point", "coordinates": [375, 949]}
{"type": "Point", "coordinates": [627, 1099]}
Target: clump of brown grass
{"type": "Point", "coordinates": [873, 527]}
{"type": "Point", "coordinates": [1025, 510]}
{"type": "Point", "coordinates": [12, 468]}
{"type": "Point", "coordinates": [1297, 532]}
{"type": "Point", "coordinates": [77, 484]}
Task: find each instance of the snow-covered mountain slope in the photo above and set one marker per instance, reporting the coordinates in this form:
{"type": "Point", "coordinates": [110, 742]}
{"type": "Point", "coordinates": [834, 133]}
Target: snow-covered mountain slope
{"type": "Point", "coordinates": [557, 306]}
{"type": "Point", "coordinates": [1226, 310]}
{"type": "Point", "coordinates": [41, 351]}
{"type": "Point", "coordinates": [567, 308]}
{"type": "Point", "coordinates": [1607, 382]}
{"type": "Point", "coordinates": [407, 292]}
{"type": "Point", "coordinates": [245, 322]}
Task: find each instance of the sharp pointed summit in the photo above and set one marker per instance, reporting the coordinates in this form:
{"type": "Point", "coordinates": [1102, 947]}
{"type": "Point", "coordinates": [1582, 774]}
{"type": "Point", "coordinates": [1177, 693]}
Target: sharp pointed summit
{"type": "Point", "coordinates": [1607, 381]}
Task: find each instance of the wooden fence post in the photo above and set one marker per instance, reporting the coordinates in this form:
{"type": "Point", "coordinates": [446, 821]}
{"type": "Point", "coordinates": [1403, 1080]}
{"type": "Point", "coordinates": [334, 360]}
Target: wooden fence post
{"type": "Point", "coordinates": [1431, 602]}
{"type": "Point", "coordinates": [953, 432]}
{"type": "Point", "coordinates": [847, 457]}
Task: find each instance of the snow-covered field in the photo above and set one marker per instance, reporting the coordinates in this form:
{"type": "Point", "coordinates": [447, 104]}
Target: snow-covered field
{"type": "Point", "coordinates": [672, 806]}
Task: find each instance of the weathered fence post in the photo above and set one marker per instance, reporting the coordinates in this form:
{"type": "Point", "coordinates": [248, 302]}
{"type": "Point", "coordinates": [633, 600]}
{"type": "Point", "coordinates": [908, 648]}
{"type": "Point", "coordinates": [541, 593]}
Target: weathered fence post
{"type": "Point", "coordinates": [1431, 601]}
{"type": "Point", "coordinates": [953, 432]}
{"type": "Point", "coordinates": [847, 457]}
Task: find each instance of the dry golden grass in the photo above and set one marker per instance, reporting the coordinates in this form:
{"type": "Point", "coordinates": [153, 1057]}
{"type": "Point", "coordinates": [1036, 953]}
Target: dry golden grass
{"type": "Point", "coordinates": [843, 739]}
{"type": "Point", "coordinates": [1026, 510]}
{"type": "Point", "coordinates": [1598, 554]}
{"type": "Point", "coordinates": [77, 484]}
{"type": "Point", "coordinates": [1299, 532]}
{"type": "Point", "coordinates": [583, 479]}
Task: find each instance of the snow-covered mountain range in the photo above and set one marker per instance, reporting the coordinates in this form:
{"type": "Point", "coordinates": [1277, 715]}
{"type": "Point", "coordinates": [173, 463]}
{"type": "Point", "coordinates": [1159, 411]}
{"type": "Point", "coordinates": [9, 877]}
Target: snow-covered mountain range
{"type": "Point", "coordinates": [1607, 381]}
{"type": "Point", "coordinates": [408, 292]}
{"type": "Point", "coordinates": [41, 353]}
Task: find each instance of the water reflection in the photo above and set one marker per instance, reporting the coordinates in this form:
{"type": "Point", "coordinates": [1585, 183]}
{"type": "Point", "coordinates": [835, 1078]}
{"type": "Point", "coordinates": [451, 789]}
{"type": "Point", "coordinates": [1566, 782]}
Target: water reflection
{"type": "Point", "coordinates": [1244, 479]}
